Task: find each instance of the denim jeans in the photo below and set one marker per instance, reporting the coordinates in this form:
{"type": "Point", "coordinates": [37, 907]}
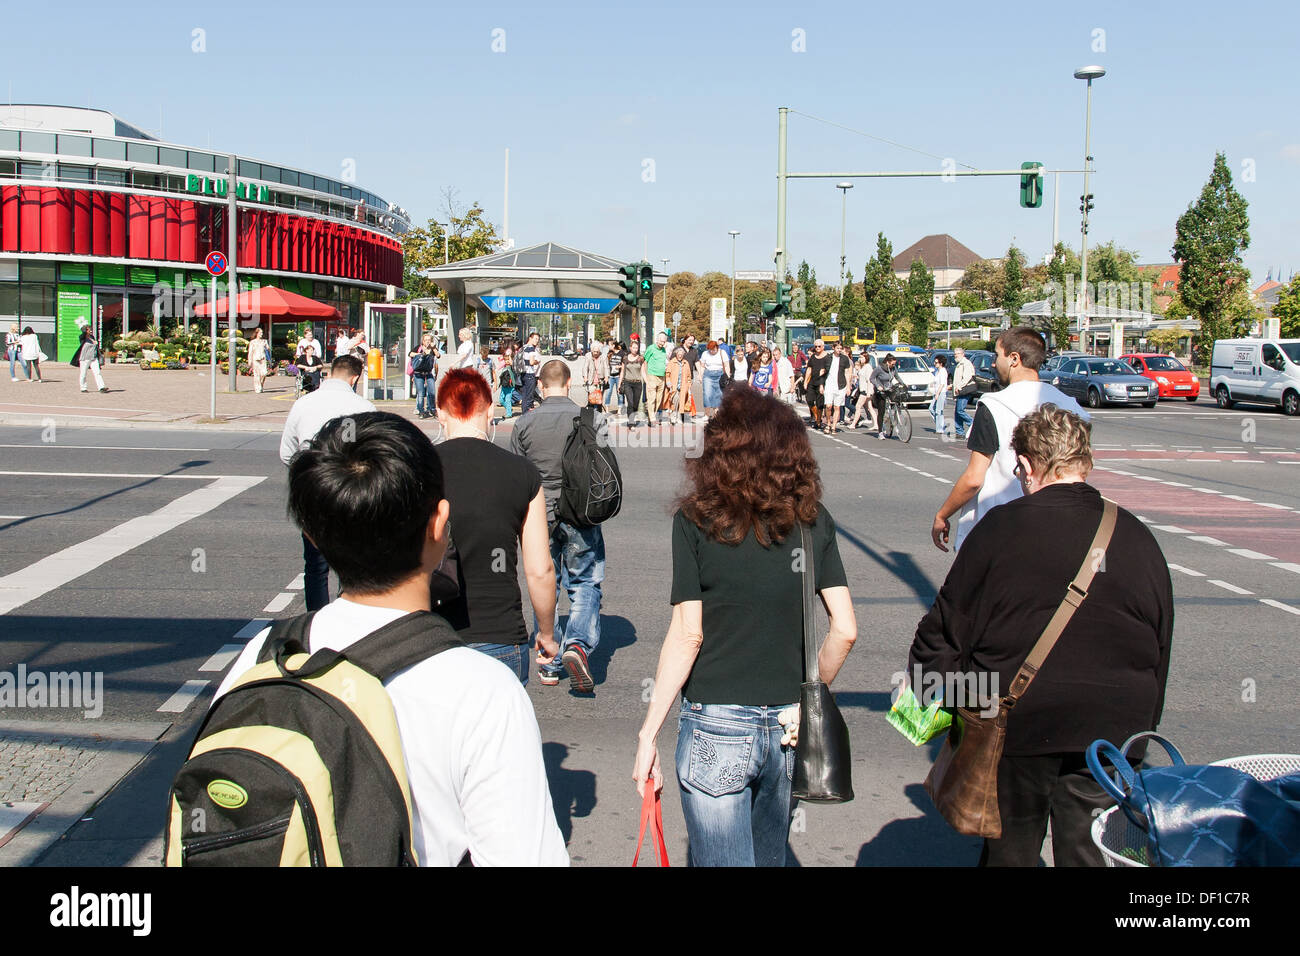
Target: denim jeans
{"type": "Point", "coordinates": [508, 400]}
{"type": "Point", "coordinates": [736, 781]}
{"type": "Point", "coordinates": [937, 406]}
{"type": "Point", "coordinates": [960, 419]}
{"type": "Point", "coordinates": [579, 558]}
{"type": "Point", "coordinates": [315, 576]}
{"type": "Point", "coordinates": [611, 394]}
{"type": "Point", "coordinates": [423, 393]}
{"type": "Point", "coordinates": [514, 656]}
{"type": "Point", "coordinates": [13, 359]}
{"type": "Point", "coordinates": [529, 392]}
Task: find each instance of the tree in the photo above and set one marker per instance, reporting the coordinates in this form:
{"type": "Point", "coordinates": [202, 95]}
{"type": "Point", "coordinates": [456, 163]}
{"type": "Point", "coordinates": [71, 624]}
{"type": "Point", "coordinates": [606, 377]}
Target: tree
{"type": "Point", "coordinates": [812, 303]}
{"type": "Point", "coordinates": [965, 300]}
{"type": "Point", "coordinates": [881, 290]}
{"type": "Point", "coordinates": [1059, 323]}
{"type": "Point", "coordinates": [852, 310]}
{"type": "Point", "coordinates": [1211, 237]}
{"type": "Point", "coordinates": [470, 236]}
{"type": "Point", "coordinates": [984, 278]}
{"type": "Point", "coordinates": [1013, 284]}
{"type": "Point", "coordinates": [918, 296]}
{"type": "Point", "coordinates": [1287, 310]}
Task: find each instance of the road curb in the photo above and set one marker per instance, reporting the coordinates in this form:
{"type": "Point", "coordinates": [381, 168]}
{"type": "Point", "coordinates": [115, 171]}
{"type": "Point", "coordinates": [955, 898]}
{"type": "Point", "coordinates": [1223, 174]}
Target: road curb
{"type": "Point", "coordinates": [125, 745]}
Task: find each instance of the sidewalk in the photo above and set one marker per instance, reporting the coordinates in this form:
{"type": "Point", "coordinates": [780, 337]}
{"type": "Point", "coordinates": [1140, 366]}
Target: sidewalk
{"type": "Point", "coordinates": [153, 399]}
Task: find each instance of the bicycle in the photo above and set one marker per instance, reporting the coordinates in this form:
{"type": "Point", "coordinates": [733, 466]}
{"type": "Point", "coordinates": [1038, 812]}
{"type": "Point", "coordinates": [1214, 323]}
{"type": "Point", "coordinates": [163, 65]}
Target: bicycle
{"type": "Point", "coordinates": [897, 419]}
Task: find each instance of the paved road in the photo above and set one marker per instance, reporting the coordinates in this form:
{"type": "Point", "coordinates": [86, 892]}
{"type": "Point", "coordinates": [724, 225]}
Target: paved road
{"type": "Point", "coordinates": [145, 555]}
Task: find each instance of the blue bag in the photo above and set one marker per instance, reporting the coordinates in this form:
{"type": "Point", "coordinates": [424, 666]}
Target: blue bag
{"type": "Point", "coordinates": [1202, 815]}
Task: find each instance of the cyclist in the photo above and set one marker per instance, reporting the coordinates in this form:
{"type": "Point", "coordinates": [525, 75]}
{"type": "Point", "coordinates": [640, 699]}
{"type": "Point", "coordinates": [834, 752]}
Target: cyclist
{"type": "Point", "coordinates": [882, 380]}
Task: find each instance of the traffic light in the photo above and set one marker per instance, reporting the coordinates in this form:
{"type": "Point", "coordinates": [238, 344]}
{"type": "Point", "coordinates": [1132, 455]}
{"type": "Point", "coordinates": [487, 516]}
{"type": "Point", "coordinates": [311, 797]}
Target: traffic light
{"type": "Point", "coordinates": [783, 290]}
{"type": "Point", "coordinates": [628, 282]}
{"type": "Point", "coordinates": [646, 284]}
{"type": "Point", "coordinates": [770, 309]}
{"type": "Point", "coordinates": [1031, 186]}
{"type": "Point", "coordinates": [1085, 203]}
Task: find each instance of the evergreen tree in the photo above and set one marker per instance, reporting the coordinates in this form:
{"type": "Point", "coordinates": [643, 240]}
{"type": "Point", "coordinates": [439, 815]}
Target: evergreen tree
{"type": "Point", "coordinates": [1013, 287]}
{"type": "Point", "coordinates": [1211, 237]}
{"type": "Point", "coordinates": [1287, 310]}
{"type": "Point", "coordinates": [919, 299]}
{"type": "Point", "coordinates": [881, 290]}
{"type": "Point", "coordinates": [1060, 320]}
{"type": "Point", "coordinates": [853, 311]}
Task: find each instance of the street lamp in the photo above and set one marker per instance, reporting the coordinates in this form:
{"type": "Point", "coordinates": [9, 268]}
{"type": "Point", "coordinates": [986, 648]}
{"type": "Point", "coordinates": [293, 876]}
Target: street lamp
{"type": "Point", "coordinates": [1088, 73]}
{"type": "Point", "coordinates": [844, 207]}
{"type": "Point", "coordinates": [665, 262]}
{"type": "Point", "coordinates": [732, 305]}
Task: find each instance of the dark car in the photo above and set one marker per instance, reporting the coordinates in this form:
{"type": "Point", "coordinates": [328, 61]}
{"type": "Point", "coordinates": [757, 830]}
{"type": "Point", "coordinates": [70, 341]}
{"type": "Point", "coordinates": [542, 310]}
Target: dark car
{"type": "Point", "coordinates": [1103, 381]}
{"type": "Point", "coordinates": [1054, 362]}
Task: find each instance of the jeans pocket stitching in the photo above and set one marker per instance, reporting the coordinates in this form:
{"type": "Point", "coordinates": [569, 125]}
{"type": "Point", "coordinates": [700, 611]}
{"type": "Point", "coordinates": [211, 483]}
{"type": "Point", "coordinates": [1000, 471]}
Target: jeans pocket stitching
{"type": "Point", "coordinates": [719, 770]}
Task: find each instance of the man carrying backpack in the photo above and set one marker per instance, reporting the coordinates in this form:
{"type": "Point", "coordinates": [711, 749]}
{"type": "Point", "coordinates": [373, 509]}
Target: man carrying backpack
{"type": "Point", "coordinates": [469, 743]}
{"type": "Point", "coordinates": [578, 552]}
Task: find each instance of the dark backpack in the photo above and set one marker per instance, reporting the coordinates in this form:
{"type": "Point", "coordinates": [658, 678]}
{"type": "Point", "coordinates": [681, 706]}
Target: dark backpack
{"type": "Point", "coordinates": [591, 490]}
{"type": "Point", "coordinates": [300, 762]}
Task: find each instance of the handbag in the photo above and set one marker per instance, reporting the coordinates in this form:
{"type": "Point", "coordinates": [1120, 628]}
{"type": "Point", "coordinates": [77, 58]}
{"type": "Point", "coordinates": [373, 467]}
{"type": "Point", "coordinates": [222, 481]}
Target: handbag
{"type": "Point", "coordinates": [652, 816]}
{"type": "Point", "coordinates": [823, 764]}
{"type": "Point", "coordinates": [1202, 815]}
{"type": "Point", "coordinates": [963, 783]}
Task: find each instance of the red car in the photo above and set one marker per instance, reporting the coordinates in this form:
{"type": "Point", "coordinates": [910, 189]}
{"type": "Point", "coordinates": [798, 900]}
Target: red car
{"type": "Point", "coordinates": [1171, 375]}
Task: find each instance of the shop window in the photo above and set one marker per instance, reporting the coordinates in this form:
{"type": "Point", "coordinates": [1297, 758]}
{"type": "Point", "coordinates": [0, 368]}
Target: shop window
{"type": "Point", "coordinates": [37, 272]}
{"type": "Point", "coordinates": [8, 168]}
{"type": "Point", "coordinates": [148, 180]}
{"type": "Point", "coordinates": [270, 174]}
{"type": "Point", "coordinates": [250, 170]}
{"type": "Point", "coordinates": [9, 139]}
{"type": "Point", "coordinates": [204, 162]}
{"type": "Point", "coordinates": [74, 145]}
{"type": "Point", "coordinates": [37, 142]}
{"type": "Point", "coordinates": [36, 299]}
{"type": "Point", "coordinates": [110, 149]}
{"type": "Point", "coordinates": [74, 174]}
{"type": "Point", "coordinates": [289, 177]}
{"type": "Point", "coordinates": [9, 301]}
{"type": "Point", "coordinates": [34, 170]}
{"type": "Point", "coordinates": [112, 177]}
{"type": "Point", "coordinates": [8, 270]}
{"type": "Point", "coordinates": [168, 156]}
{"type": "Point", "coordinates": [142, 153]}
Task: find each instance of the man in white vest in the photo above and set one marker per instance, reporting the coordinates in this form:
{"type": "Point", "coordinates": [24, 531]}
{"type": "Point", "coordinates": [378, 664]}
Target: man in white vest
{"type": "Point", "coordinates": [989, 479]}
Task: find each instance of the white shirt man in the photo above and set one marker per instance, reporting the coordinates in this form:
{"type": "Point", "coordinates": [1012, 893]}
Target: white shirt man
{"type": "Point", "coordinates": [308, 342]}
{"type": "Point", "coordinates": [784, 378]}
{"type": "Point", "coordinates": [336, 397]}
{"type": "Point", "coordinates": [466, 357]}
{"type": "Point", "coordinates": [989, 479]}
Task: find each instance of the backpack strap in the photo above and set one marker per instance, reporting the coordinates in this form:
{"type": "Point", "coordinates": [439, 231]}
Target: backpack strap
{"type": "Point", "coordinates": [382, 653]}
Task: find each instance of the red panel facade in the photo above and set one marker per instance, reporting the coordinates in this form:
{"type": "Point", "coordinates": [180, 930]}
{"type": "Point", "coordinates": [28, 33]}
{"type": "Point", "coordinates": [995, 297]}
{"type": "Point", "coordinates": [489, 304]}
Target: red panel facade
{"type": "Point", "coordinates": [100, 211]}
{"type": "Point", "coordinates": [137, 227]}
{"type": "Point", "coordinates": [172, 226]}
{"type": "Point", "coordinates": [157, 227]}
{"type": "Point", "coordinates": [82, 231]}
{"type": "Point", "coordinates": [189, 231]}
{"type": "Point", "coordinates": [9, 218]}
{"type": "Point", "coordinates": [117, 226]}
{"type": "Point", "coordinates": [29, 214]}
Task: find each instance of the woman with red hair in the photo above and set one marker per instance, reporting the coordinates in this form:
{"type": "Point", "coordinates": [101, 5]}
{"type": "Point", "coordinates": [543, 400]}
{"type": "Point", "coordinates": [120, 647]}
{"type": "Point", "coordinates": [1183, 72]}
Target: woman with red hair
{"type": "Point", "coordinates": [497, 504]}
{"type": "Point", "coordinates": [734, 649]}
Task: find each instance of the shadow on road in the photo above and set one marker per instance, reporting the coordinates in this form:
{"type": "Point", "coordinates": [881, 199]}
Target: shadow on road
{"type": "Point", "coordinates": [615, 634]}
{"type": "Point", "coordinates": [897, 563]}
{"type": "Point", "coordinates": [926, 840]}
{"type": "Point", "coordinates": [573, 792]}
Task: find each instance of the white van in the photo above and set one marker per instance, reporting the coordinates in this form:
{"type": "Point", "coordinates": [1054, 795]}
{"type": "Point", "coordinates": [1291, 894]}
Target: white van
{"type": "Point", "coordinates": [1261, 371]}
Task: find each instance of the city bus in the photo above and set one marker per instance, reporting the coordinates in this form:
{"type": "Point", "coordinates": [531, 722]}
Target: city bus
{"type": "Point", "coordinates": [799, 334]}
{"type": "Point", "coordinates": [830, 334]}
{"type": "Point", "coordinates": [864, 337]}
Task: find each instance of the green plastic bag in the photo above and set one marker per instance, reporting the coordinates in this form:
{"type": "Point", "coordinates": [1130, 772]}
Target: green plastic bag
{"type": "Point", "coordinates": [918, 724]}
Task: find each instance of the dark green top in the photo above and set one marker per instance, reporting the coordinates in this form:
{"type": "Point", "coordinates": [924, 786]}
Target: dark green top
{"type": "Point", "coordinates": [752, 652]}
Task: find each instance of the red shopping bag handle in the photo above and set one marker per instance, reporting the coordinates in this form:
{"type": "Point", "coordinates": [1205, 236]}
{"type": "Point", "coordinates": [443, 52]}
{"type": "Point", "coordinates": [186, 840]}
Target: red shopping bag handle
{"type": "Point", "coordinates": [652, 814]}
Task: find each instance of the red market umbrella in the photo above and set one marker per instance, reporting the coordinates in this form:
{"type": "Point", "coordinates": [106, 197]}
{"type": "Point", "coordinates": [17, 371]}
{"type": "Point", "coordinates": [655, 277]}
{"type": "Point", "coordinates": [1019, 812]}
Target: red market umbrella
{"type": "Point", "coordinates": [270, 301]}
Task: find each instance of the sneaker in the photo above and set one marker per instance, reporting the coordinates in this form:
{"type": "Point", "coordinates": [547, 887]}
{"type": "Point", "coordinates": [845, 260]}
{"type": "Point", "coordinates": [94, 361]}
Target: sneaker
{"type": "Point", "coordinates": [575, 659]}
{"type": "Point", "coordinates": [85, 389]}
{"type": "Point", "coordinates": [104, 389]}
{"type": "Point", "coordinates": [547, 679]}
{"type": "Point", "coordinates": [880, 435]}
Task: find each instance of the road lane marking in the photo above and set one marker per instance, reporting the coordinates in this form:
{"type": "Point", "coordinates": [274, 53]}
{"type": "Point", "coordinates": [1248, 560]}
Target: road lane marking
{"type": "Point", "coordinates": [107, 447]}
{"type": "Point", "coordinates": [63, 567]}
{"type": "Point", "coordinates": [222, 658]}
{"type": "Point", "coordinates": [1253, 555]}
{"type": "Point", "coordinates": [1280, 606]}
{"type": "Point", "coordinates": [278, 603]}
{"type": "Point", "coordinates": [1230, 587]}
{"type": "Point", "coordinates": [1179, 567]}
{"type": "Point", "coordinates": [1206, 539]}
{"type": "Point", "coordinates": [1172, 529]}
{"type": "Point", "coordinates": [112, 474]}
{"type": "Point", "coordinates": [179, 701]}
{"type": "Point", "coordinates": [1287, 566]}
{"type": "Point", "coordinates": [254, 627]}
{"type": "Point", "coordinates": [297, 584]}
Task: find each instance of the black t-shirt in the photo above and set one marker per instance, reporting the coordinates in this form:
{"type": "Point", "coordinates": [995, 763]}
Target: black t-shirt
{"type": "Point", "coordinates": [984, 433]}
{"type": "Point", "coordinates": [489, 490]}
{"type": "Point", "coordinates": [820, 367]}
{"type": "Point", "coordinates": [693, 356]}
{"type": "Point", "coordinates": [752, 652]}
{"type": "Point", "coordinates": [615, 362]}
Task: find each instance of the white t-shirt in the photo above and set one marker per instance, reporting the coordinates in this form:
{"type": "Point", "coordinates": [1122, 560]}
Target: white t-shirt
{"type": "Point", "coordinates": [31, 347]}
{"type": "Point", "coordinates": [472, 749]}
{"type": "Point", "coordinates": [466, 357]}
{"type": "Point", "coordinates": [940, 381]}
{"type": "Point", "coordinates": [713, 361]}
{"type": "Point", "coordinates": [310, 413]}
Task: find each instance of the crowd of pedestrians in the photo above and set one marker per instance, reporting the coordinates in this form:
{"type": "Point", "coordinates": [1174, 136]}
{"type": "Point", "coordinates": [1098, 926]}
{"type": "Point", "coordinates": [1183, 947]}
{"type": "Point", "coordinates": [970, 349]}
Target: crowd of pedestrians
{"type": "Point", "coordinates": [458, 520]}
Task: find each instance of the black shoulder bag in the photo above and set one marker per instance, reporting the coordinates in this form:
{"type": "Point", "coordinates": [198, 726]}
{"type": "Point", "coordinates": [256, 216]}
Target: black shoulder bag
{"type": "Point", "coordinates": [823, 764]}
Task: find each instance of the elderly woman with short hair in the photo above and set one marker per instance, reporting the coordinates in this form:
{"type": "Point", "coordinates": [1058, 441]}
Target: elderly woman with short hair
{"type": "Point", "coordinates": [1105, 676]}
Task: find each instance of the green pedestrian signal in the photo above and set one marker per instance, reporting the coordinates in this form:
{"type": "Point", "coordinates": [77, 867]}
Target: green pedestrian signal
{"type": "Point", "coordinates": [646, 287]}
{"type": "Point", "coordinates": [628, 282]}
{"type": "Point", "coordinates": [1031, 186]}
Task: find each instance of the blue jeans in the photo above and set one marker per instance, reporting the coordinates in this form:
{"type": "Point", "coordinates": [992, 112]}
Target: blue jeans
{"type": "Point", "coordinates": [13, 358]}
{"type": "Point", "coordinates": [579, 558]}
{"type": "Point", "coordinates": [529, 392]}
{"type": "Point", "coordinates": [937, 405]}
{"type": "Point", "coordinates": [712, 388]}
{"type": "Point", "coordinates": [960, 418]}
{"type": "Point", "coordinates": [423, 393]}
{"type": "Point", "coordinates": [514, 656]}
{"type": "Point", "coordinates": [315, 576]}
{"type": "Point", "coordinates": [611, 394]}
{"type": "Point", "coordinates": [736, 782]}
{"type": "Point", "coordinates": [508, 400]}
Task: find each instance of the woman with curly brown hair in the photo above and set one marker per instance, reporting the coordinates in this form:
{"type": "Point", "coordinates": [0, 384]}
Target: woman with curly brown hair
{"type": "Point", "coordinates": [734, 648]}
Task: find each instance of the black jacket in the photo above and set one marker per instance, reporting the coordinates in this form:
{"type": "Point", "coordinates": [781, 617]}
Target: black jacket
{"type": "Point", "coordinates": [1106, 675]}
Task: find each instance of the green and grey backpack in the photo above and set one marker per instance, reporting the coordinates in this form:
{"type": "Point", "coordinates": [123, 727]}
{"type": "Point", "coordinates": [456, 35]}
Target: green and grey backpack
{"type": "Point", "coordinates": [300, 762]}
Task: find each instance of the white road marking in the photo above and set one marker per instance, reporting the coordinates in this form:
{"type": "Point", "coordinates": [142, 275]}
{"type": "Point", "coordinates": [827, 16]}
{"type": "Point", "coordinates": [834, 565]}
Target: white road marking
{"type": "Point", "coordinates": [1236, 498]}
{"type": "Point", "coordinates": [252, 628]}
{"type": "Point", "coordinates": [12, 517]}
{"type": "Point", "coordinates": [222, 658]}
{"type": "Point", "coordinates": [111, 474]}
{"type": "Point", "coordinates": [1253, 555]}
{"type": "Point", "coordinates": [1172, 529]}
{"type": "Point", "coordinates": [278, 603]}
{"type": "Point", "coordinates": [1206, 539]}
{"type": "Point", "coordinates": [107, 447]}
{"type": "Point", "coordinates": [64, 566]}
{"type": "Point", "coordinates": [1280, 606]}
{"type": "Point", "coordinates": [1230, 587]}
{"type": "Point", "coordinates": [297, 584]}
{"type": "Point", "coordinates": [1262, 504]}
{"type": "Point", "coordinates": [1179, 567]}
{"type": "Point", "coordinates": [1208, 491]}
{"type": "Point", "coordinates": [1287, 566]}
{"type": "Point", "coordinates": [179, 701]}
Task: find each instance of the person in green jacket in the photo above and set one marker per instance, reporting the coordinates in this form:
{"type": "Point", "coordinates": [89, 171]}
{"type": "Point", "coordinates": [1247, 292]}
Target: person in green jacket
{"type": "Point", "coordinates": [656, 366]}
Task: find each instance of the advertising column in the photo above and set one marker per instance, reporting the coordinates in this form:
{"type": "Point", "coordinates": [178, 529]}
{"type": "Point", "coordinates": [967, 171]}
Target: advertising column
{"type": "Point", "coordinates": [73, 305]}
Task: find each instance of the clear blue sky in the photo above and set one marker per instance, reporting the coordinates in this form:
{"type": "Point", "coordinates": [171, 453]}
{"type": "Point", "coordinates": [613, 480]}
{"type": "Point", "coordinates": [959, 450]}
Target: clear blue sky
{"type": "Point", "coordinates": [584, 93]}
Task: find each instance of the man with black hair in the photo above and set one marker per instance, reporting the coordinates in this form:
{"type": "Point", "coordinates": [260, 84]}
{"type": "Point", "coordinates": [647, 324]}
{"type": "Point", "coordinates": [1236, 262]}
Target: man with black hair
{"type": "Point", "coordinates": [368, 490]}
{"type": "Point", "coordinates": [577, 553]}
{"type": "Point", "coordinates": [336, 397]}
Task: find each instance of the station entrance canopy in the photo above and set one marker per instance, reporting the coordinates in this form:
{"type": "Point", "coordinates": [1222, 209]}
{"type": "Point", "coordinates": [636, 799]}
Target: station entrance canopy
{"type": "Point", "coordinates": [545, 279]}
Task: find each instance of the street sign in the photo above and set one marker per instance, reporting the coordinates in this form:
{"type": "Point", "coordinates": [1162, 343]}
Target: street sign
{"type": "Point", "coordinates": [215, 263]}
{"type": "Point", "coordinates": [948, 314]}
{"type": "Point", "coordinates": [757, 276]}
